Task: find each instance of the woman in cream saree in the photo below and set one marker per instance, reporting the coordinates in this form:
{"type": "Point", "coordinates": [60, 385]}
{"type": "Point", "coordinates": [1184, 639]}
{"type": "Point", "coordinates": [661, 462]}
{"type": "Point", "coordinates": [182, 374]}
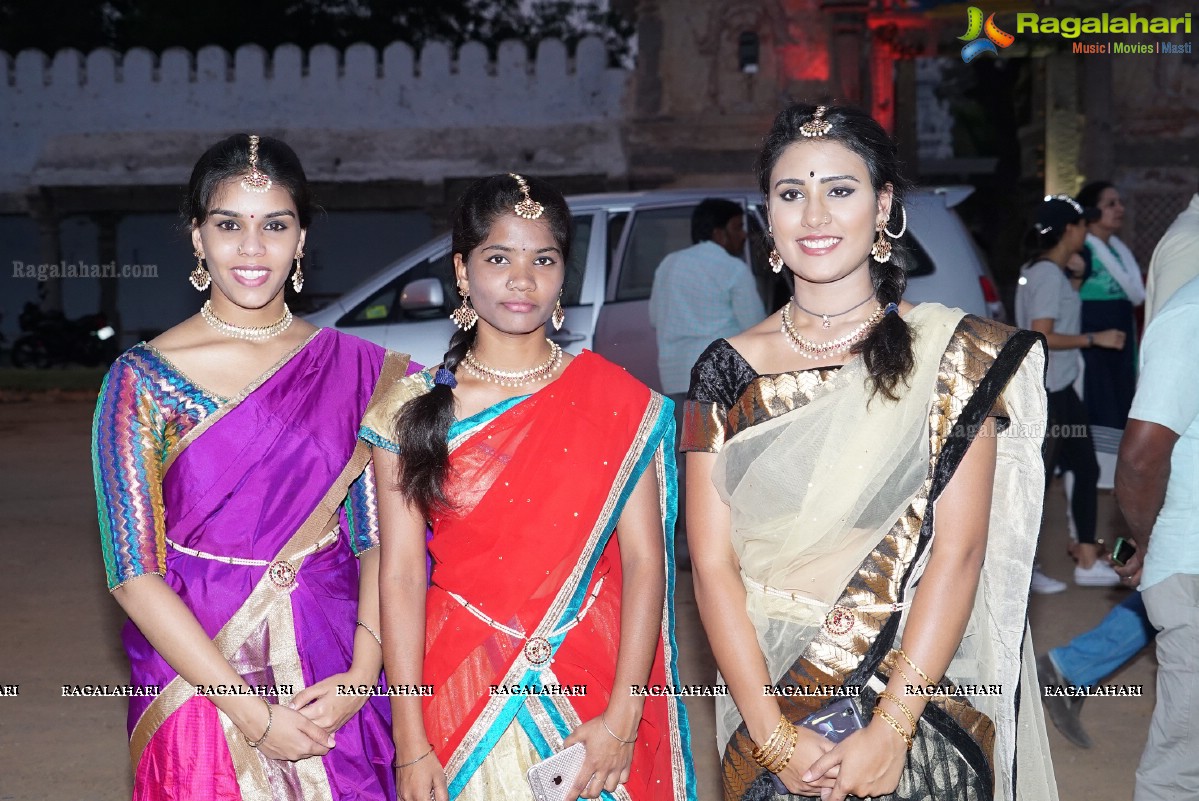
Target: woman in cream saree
{"type": "Point", "coordinates": [866, 505]}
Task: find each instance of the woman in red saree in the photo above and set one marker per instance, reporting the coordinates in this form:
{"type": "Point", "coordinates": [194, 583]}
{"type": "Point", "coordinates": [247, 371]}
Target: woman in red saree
{"type": "Point", "coordinates": [548, 482]}
{"type": "Point", "coordinates": [235, 490]}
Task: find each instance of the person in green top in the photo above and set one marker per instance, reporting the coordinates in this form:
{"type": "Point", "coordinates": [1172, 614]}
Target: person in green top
{"type": "Point", "coordinates": [1112, 290]}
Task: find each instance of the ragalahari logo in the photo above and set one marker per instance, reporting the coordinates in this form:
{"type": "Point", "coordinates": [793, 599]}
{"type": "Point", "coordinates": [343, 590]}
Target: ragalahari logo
{"type": "Point", "coordinates": [975, 28]}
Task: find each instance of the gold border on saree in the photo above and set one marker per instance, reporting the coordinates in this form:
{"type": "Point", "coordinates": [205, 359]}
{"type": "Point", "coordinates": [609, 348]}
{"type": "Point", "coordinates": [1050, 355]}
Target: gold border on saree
{"type": "Point", "coordinates": [840, 619]}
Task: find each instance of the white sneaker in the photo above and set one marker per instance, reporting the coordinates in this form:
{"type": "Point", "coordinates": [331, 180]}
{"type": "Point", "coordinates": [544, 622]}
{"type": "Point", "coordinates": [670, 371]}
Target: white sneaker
{"type": "Point", "coordinates": [1043, 585]}
{"type": "Point", "coordinates": [1099, 574]}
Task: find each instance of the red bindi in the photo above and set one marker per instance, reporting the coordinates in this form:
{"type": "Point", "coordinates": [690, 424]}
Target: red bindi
{"type": "Point", "coordinates": [251, 216]}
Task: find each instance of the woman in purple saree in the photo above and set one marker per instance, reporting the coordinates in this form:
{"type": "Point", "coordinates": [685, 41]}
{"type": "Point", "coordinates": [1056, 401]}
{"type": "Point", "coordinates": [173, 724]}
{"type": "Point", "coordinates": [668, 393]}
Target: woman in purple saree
{"type": "Point", "coordinates": [237, 514]}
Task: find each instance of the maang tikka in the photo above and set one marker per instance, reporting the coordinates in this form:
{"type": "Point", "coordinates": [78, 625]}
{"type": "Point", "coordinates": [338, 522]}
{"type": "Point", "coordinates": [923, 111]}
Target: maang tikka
{"type": "Point", "coordinates": [528, 208]}
{"type": "Point", "coordinates": [818, 125]}
{"type": "Point", "coordinates": [255, 180]}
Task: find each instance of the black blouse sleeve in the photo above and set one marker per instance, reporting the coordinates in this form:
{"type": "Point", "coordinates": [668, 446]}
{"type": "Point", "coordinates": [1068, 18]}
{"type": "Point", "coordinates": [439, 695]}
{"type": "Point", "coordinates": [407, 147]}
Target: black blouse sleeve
{"type": "Point", "coordinates": [718, 378]}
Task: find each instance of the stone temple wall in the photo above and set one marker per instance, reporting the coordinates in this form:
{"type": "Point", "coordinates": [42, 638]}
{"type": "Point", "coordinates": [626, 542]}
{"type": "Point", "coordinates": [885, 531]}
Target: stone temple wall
{"type": "Point", "coordinates": [136, 118]}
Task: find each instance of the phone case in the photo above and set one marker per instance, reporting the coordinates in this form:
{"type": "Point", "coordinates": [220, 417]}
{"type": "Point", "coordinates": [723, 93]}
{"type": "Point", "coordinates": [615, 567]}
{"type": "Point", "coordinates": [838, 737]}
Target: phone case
{"type": "Point", "coordinates": [1123, 551]}
{"type": "Point", "coordinates": [552, 777]}
{"type": "Point", "coordinates": [836, 721]}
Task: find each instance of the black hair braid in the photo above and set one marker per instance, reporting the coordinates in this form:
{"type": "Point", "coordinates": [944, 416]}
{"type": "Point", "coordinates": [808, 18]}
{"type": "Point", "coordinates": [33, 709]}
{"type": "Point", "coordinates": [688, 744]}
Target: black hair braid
{"type": "Point", "coordinates": [422, 426]}
{"type": "Point", "coordinates": [887, 349]}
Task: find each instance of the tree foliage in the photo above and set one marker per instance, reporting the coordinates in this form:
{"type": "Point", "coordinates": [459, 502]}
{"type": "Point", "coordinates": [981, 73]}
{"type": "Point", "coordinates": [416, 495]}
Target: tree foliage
{"type": "Point", "coordinates": [51, 25]}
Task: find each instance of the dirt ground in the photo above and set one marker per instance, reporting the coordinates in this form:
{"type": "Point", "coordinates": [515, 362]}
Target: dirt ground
{"type": "Point", "coordinates": [60, 627]}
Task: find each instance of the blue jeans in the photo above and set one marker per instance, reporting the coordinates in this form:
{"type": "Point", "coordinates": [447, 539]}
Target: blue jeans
{"type": "Point", "coordinates": [1095, 654]}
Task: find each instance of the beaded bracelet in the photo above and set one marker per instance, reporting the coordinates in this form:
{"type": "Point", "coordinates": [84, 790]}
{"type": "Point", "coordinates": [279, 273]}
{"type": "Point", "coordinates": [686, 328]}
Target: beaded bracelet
{"type": "Point", "coordinates": [893, 723]}
{"type": "Point", "coordinates": [270, 718]}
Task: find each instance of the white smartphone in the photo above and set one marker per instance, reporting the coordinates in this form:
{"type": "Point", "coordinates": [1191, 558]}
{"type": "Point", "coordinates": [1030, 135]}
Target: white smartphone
{"type": "Point", "coordinates": [552, 777]}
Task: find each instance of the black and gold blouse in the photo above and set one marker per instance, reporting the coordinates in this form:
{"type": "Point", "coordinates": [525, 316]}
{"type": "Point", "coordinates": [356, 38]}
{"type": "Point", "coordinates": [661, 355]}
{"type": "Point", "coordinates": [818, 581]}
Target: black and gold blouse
{"type": "Point", "coordinates": [728, 395]}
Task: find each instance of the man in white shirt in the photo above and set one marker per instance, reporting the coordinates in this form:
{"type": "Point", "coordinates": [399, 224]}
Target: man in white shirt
{"type": "Point", "coordinates": [1175, 259]}
{"type": "Point", "coordinates": [1157, 487]}
{"type": "Point", "coordinates": [702, 293]}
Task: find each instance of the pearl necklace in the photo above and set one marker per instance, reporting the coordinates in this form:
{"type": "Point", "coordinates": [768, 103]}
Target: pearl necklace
{"type": "Point", "coordinates": [515, 378]}
{"type": "Point", "coordinates": [834, 347]}
{"type": "Point", "coordinates": [253, 334]}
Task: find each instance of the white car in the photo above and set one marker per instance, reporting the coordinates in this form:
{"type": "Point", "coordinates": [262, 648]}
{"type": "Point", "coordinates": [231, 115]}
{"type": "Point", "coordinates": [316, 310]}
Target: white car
{"type": "Point", "coordinates": [619, 240]}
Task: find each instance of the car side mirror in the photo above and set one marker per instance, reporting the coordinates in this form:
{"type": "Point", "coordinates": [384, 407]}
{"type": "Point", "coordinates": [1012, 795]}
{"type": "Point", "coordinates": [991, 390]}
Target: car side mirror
{"type": "Point", "coordinates": [423, 295]}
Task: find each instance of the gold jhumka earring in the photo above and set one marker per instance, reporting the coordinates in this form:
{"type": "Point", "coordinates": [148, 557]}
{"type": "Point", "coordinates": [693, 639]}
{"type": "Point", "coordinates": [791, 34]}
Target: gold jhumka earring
{"type": "Point", "coordinates": [775, 260]}
{"type": "Point", "coordinates": [559, 316]}
{"type": "Point", "coordinates": [199, 277]}
{"type": "Point", "coordinates": [465, 315]}
{"type": "Point", "coordinates": [297, 278]}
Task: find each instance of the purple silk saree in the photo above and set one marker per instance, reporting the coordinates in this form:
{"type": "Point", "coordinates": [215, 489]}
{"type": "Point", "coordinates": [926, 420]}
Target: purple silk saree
{"type": "Point", "coordinates": [273, 462]}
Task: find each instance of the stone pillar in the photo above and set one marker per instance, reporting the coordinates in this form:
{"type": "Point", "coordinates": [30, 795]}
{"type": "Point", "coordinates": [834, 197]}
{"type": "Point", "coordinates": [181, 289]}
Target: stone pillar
{"type": "Point", "coordinates": [1063, 124]}
{"type": "Point", "coordinates": [106, 247]}
{"type": "Point", "coordinates": [41, 208]}
{"type": "Point", "coordinates": [848, 46]}
{"type": "Point", "coordinates": [895, 39]}
{"type": "Point", "coordinates": [647, 80]}
{"type": "Point", "coordinates": [1098, 158]}
{"type": "Point", "coordinates": [906, 116]}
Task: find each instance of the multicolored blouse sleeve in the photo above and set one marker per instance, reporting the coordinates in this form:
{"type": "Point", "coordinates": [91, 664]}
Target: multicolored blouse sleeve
{"type": "Point", "coordinates": [362, 512]}
{"type": "Point", "coordinates": [128, 449]}
{"type": "Point", "coordinates": [378, 425]}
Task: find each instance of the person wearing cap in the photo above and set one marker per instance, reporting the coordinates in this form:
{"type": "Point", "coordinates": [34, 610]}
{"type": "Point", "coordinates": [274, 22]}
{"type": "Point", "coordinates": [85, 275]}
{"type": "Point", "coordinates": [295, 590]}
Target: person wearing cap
{"type": "Point", "coordinates": [1126, 629]}
{"type": "Point", "coordinates": [1047, 302]}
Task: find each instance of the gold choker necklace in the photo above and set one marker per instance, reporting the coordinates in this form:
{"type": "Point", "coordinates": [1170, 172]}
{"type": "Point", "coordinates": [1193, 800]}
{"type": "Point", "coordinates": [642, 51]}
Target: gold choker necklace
{"type": "Point", "coordinates": [514, 378]}
{"type": "Point", "coordinates": [834, 347]}
{"type": "Point", "coordinates": [253, 334]}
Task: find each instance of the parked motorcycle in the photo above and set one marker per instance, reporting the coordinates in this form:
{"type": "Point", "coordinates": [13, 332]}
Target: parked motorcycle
{"type": "Point", "coordinates": [51, 339]}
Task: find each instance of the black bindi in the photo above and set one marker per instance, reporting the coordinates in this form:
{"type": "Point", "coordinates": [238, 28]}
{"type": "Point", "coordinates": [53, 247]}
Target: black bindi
{"type": "Point", "coordinates": [812, 174]}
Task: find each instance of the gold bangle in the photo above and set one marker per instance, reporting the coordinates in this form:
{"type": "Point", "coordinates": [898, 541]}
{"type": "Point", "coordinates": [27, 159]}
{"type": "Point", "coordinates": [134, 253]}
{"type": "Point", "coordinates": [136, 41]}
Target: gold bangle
{"type": "Point", "coordinates": [371, 631]}
{"type": "Point", "coordinates": [270, 718]}
{"type": "Point", "coordinates": [902, 707]}
{"type": "Point", "coordinates": [760, 750]}
{"type": "Point", "coordinates": [769, 752]}
{"type": "Point", "coordinates": [923, 675]}
{"type": "Point", "coordinates": [604, 721]}
{"type": "Point", "coordinates": [907, 738]}
{"type": "Point", "coordinates": [413, 762]}
{"type": "Point", "coordinates": [793, 740]}
{"type": "Point", "coordinates": [780, 754]}
{"type": "Point", "coordinates": [772, 754]}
